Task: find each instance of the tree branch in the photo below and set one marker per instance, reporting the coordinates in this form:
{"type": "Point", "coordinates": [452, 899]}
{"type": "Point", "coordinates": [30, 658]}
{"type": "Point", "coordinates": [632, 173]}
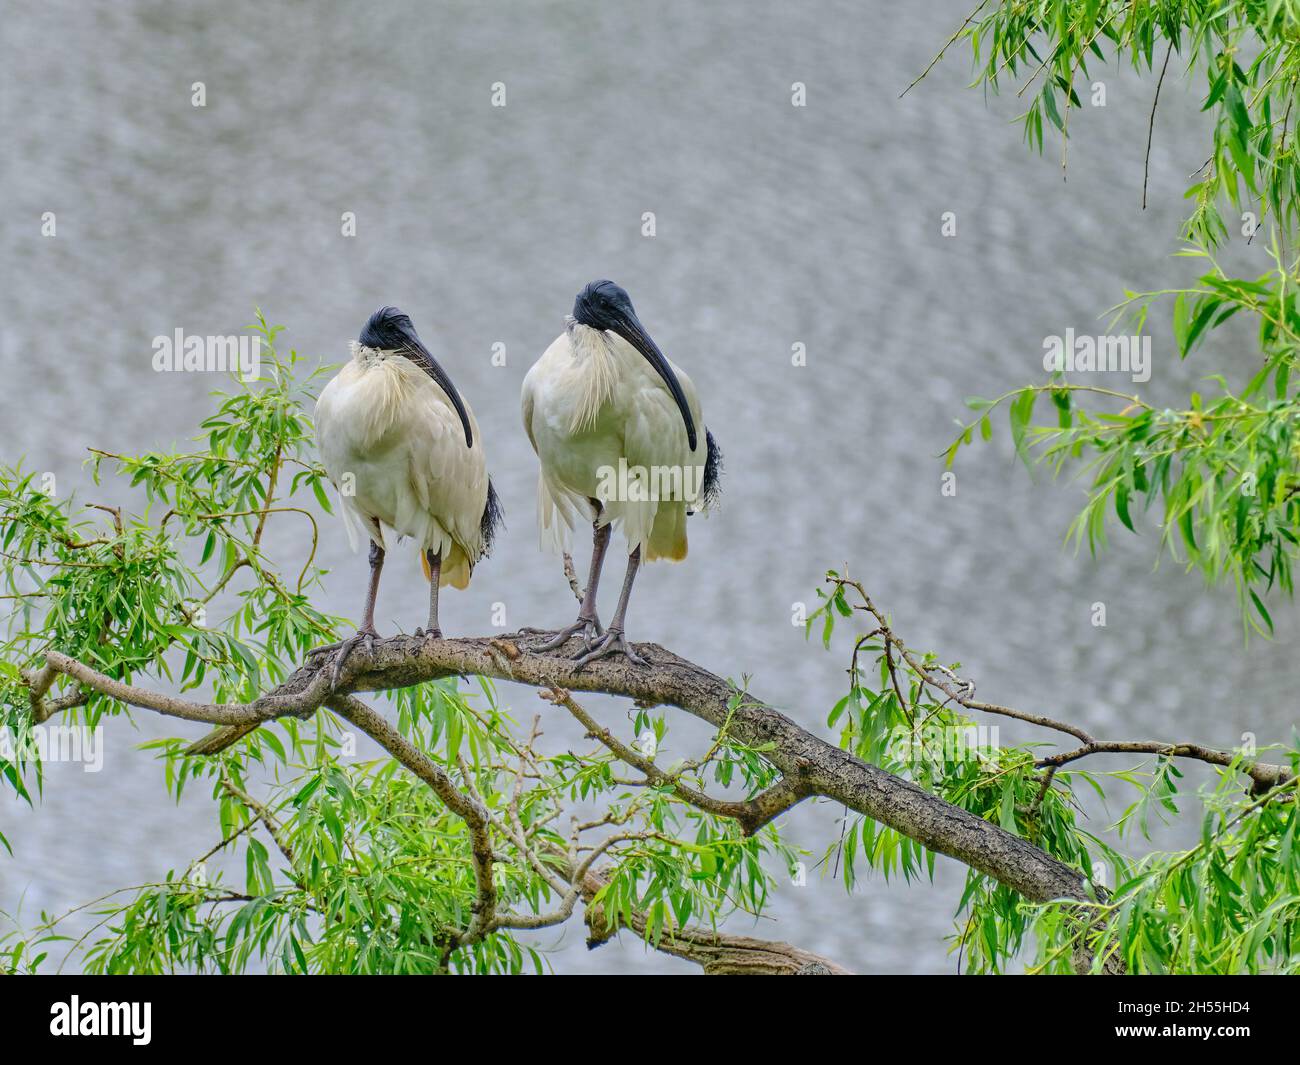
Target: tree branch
{"type": "Point", "coordinates": [715, 952]}
{"type": "Point", "coordinates": [466, 807]}
{"type": "Point", "coordinates": [752, 814]}
{"type": "Point", "coordinates": [810, 764]}
{"type": "Point", "coordinates": [1265, 774]}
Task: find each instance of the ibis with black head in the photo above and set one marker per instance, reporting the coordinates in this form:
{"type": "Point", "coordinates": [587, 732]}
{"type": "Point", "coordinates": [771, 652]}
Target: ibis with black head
{"type": "Point", "coordinates": [621, 440]}
{"type": "Point", "coordinates": [403, 450]}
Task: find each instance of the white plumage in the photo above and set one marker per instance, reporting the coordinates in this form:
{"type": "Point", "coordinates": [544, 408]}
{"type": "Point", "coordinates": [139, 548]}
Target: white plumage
{"type": "Point", "coordinates": [591, 403]}
{"type": "Point", "coordinates": [620, 438]}
{"type": "Point", "coordinates": [403, 450]}
{"type": "Point", "coordinates": [391, 442]}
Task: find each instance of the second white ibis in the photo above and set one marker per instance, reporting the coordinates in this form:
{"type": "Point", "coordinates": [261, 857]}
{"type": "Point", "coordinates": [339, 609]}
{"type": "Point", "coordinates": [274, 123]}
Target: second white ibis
{"type": "Point", "coordinates": [621, 440]}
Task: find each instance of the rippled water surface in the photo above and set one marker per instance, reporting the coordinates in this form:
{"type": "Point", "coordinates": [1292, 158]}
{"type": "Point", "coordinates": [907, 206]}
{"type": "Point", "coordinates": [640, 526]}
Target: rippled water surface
{"type": "Point", "coordinates": [775, 226]}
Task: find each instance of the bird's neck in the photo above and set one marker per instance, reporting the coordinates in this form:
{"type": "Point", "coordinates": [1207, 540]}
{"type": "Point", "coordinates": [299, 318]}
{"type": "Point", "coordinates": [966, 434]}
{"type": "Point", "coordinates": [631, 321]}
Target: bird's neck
{"type": "Point", "coordinates": [367, 357]}
{"type": "Point", "coordinates": [597, 366]}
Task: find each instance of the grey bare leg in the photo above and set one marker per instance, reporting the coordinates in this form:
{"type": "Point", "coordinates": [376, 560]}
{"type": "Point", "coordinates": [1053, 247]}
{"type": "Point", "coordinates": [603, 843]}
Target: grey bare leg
{"type": "Point", "coordinates": [587, 625]}
{"type": "Point", "coordinates": [613, 641]}
{"type": "Point", "coordinates": [367, 632]}
{"type": "Point", "coordinates": [435, 574]}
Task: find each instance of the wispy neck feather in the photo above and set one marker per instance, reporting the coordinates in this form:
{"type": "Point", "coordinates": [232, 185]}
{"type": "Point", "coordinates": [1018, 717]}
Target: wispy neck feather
{"type": "Point", "coordinates": [367, 356]}
{"type": "Point", "coordinates": [382, 386]}
{"type": "Point", "coordinates": [599, 373]}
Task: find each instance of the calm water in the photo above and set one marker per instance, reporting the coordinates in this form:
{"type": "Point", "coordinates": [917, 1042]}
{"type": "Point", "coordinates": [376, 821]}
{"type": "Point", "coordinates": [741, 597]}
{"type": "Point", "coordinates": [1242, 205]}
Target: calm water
{"type": "Point", "coordinates": [775, 225]}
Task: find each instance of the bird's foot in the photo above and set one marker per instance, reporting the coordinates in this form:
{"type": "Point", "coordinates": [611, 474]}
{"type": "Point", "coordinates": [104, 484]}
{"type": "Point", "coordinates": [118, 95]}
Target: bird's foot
{"type": "Point", "coordinates": [325, 649]}
{"type": "Point", "coordinates": [434, 633]}
{"type": "Point", "coordinates": [612, 643]}
{"type": "Point", "coordinates": [588, 628]}
{"type": "Point", "coordinates": [344, 649]}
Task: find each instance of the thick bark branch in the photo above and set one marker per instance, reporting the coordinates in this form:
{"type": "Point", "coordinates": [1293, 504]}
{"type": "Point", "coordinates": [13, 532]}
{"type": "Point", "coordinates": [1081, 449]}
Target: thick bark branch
{"type": "Point", "coordinates": [807, 762]}
{"type": "Point", "coordinates": [809, 765]}
{"type": "Point", "coordinates": [300, 702]}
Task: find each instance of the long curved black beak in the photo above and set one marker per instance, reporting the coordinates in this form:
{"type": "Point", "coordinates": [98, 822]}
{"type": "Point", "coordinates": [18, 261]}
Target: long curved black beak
{"type": "Point", "coordinates": [631, 330]}
{"type": "Point", "coordinates": [419, 354]}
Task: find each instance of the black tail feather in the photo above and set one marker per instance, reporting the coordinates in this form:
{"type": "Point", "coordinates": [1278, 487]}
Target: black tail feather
{"type": "Point", "coordinates": [712, 490]}
{"type": "Point", "coordinates": [494, 519]}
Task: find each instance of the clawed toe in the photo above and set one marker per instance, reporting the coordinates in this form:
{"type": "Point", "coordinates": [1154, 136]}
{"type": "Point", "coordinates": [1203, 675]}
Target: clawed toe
{"type": "Point", "coordinates": [587, 628]}
{"type": "Point", "coordinates": [612, 643]}
{"type": "Point", "coordinates": [345, 649]}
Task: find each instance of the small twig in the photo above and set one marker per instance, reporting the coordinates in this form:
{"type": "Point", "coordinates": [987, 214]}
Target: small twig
{"type": "Point", "coordinates": [572, 576]}
{"type": "Point", "coordinates": [1264, 774]}
{"type": "Point", "coordinates": [261, 813]}
{"type": "Point", "coordinates": [263, 512]}
{"type": "Point", "coordinates": [1151, 124]}
{"type": "Point", "coordinates": [947, 44]}
{"type": "Point", "coordinates": [752, 814]}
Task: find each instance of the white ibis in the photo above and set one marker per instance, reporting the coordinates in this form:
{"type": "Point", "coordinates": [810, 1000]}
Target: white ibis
{"type": "Point", "coordinates": [403, 449]}
{"type": "Point", "coordinates": [616, 427]}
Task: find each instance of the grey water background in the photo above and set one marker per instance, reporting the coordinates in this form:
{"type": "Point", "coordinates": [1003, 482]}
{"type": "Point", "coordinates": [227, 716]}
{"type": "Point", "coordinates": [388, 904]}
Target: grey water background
{"type": "Point", "coordinates": [776, 225]}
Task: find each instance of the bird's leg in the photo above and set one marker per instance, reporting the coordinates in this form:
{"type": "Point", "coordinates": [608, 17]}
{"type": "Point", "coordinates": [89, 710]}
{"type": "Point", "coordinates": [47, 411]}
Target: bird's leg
{"type": "Point", "coordinates": [613, 641]}
{"type": "Point", "coordinates": [434, 632]}
{"type": "Point", "coordinates": [367, 632]}
{"type": "Point", "coordinates": [587, 625]}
